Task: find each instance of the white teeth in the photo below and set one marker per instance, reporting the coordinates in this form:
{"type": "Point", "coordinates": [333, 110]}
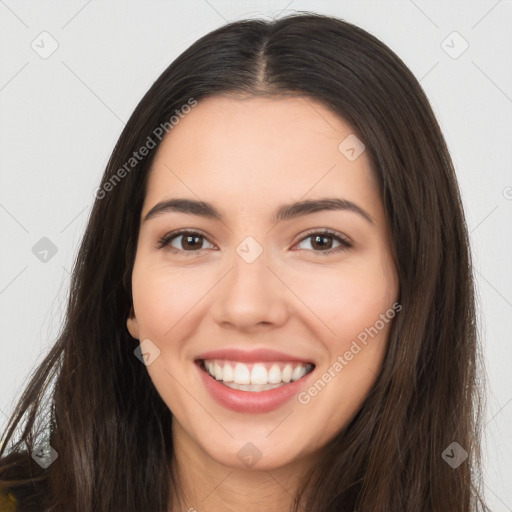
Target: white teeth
{"type": "Point", "coordinates": [274, 374]}
{"type": "Point", "coordinates": [287, 373]}
{"type": "Point", "coordinates": [227, 375]}
{"type": "Point", "coordinates": [253, 387]}
{"type": "Point", "coordinates": [257, 378]}
{"type": "Point", "coordinates": [298, 372]}
{"type": "Point", "coordinates": [241, 375]}
{"type": "Point", "coordinates": [259, 374]}
{"type": "Point", "coordinates": [217, 370]}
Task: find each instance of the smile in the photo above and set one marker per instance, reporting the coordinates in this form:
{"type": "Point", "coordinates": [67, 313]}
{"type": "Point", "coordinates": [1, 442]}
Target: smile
{"type": "Point", "coordinates": [255, 377]}
{"type": "Point", "coordinates": [252, 382]}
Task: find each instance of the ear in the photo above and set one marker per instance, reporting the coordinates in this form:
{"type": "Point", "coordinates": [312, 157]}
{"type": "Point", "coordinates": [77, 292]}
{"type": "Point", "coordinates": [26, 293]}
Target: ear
{"type": "Point", "coordinates": [132, 324]}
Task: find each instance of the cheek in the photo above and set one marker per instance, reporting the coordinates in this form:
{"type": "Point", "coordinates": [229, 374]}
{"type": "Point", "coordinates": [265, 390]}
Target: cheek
{"type": "Point", "coordinates": [163, 297]}
{"type": "Point", "coordinates": [356, 303]}
{"type": "Point", "coordinates": [349, 299]}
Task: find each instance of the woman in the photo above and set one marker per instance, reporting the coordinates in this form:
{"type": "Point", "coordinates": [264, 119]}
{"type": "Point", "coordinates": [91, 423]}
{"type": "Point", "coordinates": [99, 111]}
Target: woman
{"type": "Point", "coordinates": [272, 307]}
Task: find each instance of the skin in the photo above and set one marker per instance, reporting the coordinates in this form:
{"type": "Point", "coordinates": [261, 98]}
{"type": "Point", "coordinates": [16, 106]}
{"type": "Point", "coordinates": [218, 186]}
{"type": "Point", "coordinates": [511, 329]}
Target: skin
{"type": "Point", "coordinates": [247, 156]}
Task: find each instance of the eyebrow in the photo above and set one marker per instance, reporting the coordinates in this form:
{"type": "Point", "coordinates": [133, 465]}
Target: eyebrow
{"type": "Point", "coordinates": [284, 212]}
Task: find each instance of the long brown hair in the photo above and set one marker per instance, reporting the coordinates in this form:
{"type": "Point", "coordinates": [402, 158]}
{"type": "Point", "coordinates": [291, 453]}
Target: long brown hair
{"type": "Point", "coordinates": [92, 400]}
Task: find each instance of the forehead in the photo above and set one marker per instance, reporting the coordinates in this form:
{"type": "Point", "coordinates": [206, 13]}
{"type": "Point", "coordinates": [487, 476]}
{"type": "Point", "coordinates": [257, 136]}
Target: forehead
{"type": "Point", "coordinates": [255, 149]}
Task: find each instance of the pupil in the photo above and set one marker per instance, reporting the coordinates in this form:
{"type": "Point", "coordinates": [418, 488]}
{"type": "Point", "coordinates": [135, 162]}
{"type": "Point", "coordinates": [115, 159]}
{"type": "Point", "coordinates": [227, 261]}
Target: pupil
{"type": "Point", "coordinates": [319, 237]}
{"type": "Point", "coordinates": [187, 239]}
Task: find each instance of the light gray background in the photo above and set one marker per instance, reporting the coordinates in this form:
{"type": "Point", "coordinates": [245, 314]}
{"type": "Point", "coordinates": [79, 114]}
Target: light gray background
{"type": "Point", "coordinates": [61, 116]}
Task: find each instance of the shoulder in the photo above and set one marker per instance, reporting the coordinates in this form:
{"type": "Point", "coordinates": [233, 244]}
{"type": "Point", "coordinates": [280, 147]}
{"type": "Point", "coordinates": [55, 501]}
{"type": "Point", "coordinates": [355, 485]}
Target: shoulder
{"type": "Point", "coordinates": [8, 502]}
{"type": "Point", "coordinates": [22, 484]}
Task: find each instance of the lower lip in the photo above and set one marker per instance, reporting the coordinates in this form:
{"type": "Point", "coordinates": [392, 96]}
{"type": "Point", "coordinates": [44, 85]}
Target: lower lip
{"type": "Point", "coordinates": [251, 401]}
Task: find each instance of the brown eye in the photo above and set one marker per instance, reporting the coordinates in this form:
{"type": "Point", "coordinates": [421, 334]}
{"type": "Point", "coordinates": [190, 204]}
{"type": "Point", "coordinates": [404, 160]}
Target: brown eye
{"type": "Point", "coordinates": [190, 242]}
{"type": "Point", "coordinates": [323, 242]}
{"type": "Point", "coordinates": [186, 241]}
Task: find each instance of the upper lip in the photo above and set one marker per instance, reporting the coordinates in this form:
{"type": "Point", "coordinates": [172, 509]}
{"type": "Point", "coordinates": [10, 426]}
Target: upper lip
{"type": "Point", "coordinates": [251, 356]}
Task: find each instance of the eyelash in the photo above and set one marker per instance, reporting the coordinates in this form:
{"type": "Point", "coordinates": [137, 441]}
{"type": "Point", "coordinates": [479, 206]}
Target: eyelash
{"type": "Point", "coordinates": [166, 240]}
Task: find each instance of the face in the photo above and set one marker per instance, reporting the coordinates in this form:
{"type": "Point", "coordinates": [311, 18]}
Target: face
{"type": "Point", "coordinates": [292, 305]}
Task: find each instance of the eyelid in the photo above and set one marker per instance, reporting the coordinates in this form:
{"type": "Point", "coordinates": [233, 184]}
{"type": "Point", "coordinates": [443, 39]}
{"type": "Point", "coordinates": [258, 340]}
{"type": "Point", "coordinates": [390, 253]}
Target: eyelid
{"type": "Point", "coordinates": [344, 240]}
{"type": "Point", "coordinates": [166, 239]}
{"type": "Point", "coordinates": [325, 231]}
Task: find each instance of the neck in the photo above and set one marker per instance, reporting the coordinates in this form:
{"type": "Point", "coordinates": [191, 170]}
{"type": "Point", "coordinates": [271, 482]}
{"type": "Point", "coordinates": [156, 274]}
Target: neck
{"type": "Point", "coordinates": [205, 484]}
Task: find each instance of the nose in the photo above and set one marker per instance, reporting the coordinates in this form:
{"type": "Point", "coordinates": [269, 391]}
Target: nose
{"type": "Point", "coordinates": [251, 295]}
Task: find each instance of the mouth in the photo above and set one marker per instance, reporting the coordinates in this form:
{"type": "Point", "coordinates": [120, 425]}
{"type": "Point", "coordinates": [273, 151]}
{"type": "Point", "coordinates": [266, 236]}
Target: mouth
{"type": "Point", "coordinates": [257, 376]}
{"type": "Point", "coordinates": [256, 381]}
